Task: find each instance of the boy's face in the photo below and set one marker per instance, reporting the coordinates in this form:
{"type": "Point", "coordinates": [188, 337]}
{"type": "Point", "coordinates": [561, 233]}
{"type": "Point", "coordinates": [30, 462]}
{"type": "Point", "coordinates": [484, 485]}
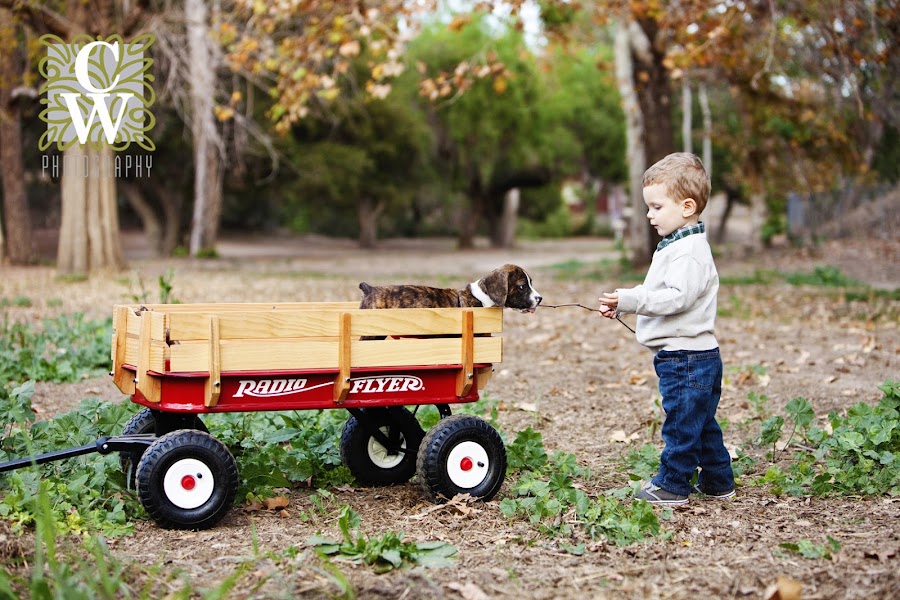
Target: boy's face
{"type": "Point", "coordinates": [666, 214]}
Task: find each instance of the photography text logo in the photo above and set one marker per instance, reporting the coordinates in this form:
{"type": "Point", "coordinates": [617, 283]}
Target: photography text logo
{"type": "Point", "coordinates": [98, 95]}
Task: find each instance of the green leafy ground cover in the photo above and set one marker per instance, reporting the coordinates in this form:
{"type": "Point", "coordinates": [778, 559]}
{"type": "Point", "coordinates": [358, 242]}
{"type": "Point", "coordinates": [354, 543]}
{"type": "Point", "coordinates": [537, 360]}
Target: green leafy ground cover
{"type": "Point", "coordinates": [73, 506]}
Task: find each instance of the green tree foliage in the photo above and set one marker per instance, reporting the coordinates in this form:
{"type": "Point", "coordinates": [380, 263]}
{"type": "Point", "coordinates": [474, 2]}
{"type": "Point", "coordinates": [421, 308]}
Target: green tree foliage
{"type": "Point", "coordinates": [501, 132]}
{"type": "Point", "coordinates": [585, 97]}
{"type": "Point", "coordinates": [362, 159]}
{"type": "Point", "coordinates": [350, 162]}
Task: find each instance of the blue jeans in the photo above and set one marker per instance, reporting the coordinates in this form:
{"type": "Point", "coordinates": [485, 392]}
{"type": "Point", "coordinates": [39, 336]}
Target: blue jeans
{"type": "Point", "coordinates": [691, 384]}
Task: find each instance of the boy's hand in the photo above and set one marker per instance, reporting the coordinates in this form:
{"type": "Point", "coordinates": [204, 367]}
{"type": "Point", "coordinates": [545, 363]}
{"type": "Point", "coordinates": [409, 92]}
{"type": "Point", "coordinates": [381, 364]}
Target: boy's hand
{"type": "Point", "coordinates": [609, 304]}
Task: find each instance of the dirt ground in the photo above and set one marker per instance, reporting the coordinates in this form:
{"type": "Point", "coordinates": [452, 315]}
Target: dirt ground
{"type": "Point", "coordinates": [578, 379]}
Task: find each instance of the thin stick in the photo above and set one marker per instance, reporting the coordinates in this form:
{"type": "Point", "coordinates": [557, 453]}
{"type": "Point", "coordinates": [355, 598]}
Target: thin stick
{"type": "Point", "coordinates": [619, 319]}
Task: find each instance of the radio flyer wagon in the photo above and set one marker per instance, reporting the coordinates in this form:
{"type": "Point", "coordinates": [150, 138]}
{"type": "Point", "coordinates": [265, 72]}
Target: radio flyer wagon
{"type": "Point", "coordinates": [183, 361]}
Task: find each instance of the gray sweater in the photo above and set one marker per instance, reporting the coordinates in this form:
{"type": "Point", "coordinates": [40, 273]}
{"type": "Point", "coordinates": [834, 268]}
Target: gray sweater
{"type": "Point", "coordinates": [676, 303]}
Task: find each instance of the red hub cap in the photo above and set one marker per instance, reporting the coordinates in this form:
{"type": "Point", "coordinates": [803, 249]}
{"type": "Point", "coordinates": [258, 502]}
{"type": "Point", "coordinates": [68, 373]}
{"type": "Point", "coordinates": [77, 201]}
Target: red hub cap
{"type": "Point", "coordinates": [188, 482]}
{"type": "Point", "coordinates": [466, 464]}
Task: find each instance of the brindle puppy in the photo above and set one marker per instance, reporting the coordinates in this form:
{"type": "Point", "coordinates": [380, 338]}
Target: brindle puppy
{"type": "Point", "coordinates": [509, 287]}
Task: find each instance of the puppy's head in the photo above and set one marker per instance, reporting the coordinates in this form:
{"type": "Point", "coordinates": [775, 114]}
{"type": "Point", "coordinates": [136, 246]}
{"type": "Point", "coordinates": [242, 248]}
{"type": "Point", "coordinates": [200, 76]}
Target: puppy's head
{"type": "Point", "coordinates": [510, 286]}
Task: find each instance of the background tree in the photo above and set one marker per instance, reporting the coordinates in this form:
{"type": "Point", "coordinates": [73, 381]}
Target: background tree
{"type": "Point", "coordinates": [203, 61]}
{"type": "Point", "coordinates": [15, 217]}
{"type": "Point", "coordinates": [499, 132]}
{"type": "Point", "coordinates": [365, 158]}
{"type": "Point", "coordinates": [89, 235]}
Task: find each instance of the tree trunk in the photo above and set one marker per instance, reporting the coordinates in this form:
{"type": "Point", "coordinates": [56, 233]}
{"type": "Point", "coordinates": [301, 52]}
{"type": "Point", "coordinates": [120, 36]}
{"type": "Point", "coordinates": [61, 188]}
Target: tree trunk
{"type": "Point", "coordinates": [757, 220]}
{"type": "Point", "coordinates": [687, 115]}
{"type": "Point", "coordinates": [171, 208]}
{"type": "Point", "coordinates": [207, 176]}
{"type": "Point", "coordinates": [468, 227]}
{"type": "Point", "coordinates": [149, 220]}
{"type": "Point", "coordinates": [368, 213]}
{"type": "Point", "coordinates": [16, 219]}
{"type": "Point", "coordinates": [653, 87]}
{"type": "Point", "coordinates": [635, 154]}
{"type": "Point", "coordinates": [471, 219]}
{"type": "Point", "coordinates": [504, 233]}
{"type": "Point", "coordinates": [703, 97]}
{"type": "Point", "coordinates": [89, 236]}
{"type": "Point", "coordinates": [723, 222]}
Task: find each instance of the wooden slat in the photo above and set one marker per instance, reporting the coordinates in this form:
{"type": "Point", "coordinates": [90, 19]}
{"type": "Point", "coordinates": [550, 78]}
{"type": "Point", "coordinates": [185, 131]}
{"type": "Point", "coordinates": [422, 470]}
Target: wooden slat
{"type": "Point", "coordinates": [213, 386]}
{"type": "Point", "coordinates": [482, 376]}
{"type": "Point", "coordinates": [133, 322]}
{"type": "Point", "coordinates": [466, 375]}
{"type": "Point", "coordinates": [122, 377]}
{"type": "Point", "coordinates": [273, 325]}
{"type": "Point", "coordinates": [342, 381]}
{"type": "Point", "coordinates": [159, 351]}
{"type": "Point", "coordinates": [148, 385]}
{"type": "Point", "coordinates": [289, 354]}
{"type": "Point", "coordinates": [225, 307]}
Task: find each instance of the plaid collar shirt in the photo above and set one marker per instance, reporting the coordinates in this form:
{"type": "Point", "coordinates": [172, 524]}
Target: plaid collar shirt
{"type": "Point", "coordinates": [681, 233]}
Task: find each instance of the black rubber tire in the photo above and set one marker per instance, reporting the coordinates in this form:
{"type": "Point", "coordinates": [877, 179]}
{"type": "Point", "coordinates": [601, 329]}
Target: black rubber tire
{"type": "Point", "coordinates": [141, 423]}
{"type": "Point", "coordinates": [198, 456]}
{"type": "Point", "coordinates": [442, 480]}
{"type": "Point", "coordinates": [360, 451]}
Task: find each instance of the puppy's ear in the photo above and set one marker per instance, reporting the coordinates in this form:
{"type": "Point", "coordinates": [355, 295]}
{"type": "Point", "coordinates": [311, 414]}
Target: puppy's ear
{"type": "Point", "coordinates": [496, 285]}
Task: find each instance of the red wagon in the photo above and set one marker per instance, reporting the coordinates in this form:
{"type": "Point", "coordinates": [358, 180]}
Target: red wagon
{"type": "Point", "coordinates": [182, 361]}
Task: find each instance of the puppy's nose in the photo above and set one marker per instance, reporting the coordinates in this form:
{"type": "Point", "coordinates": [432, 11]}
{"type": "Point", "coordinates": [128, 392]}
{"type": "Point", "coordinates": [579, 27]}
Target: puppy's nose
{"type": "Point", "coordinates": [538, 299]}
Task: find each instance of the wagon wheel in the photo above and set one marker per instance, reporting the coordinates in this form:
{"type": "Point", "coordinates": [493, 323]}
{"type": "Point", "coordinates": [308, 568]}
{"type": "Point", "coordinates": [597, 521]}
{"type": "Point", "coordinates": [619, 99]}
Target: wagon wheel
{"type": "Point", "coordinates": [142, 423]}
{"type": "Point", "coordinates": [370, 461]}
{"type": "Point", "coordinates": [461, 454]}
{"type": "Point", "coordinates": [187, 479]}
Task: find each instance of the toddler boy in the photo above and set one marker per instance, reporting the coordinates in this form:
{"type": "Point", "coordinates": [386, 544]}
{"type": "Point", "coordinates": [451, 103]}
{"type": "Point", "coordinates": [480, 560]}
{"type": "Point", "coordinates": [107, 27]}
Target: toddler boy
{"type": "Point", "coordinates": [676, 308]}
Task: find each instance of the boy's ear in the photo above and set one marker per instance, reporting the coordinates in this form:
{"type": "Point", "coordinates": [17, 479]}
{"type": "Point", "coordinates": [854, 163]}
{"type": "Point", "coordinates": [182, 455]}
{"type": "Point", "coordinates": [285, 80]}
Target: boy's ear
{"type": "Point", "coordinates": [688, 207]}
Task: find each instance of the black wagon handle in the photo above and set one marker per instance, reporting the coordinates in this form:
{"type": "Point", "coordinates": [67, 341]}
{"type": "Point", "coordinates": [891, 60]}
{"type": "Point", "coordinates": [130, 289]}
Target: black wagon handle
{"type": "Point", "coordinates": [103, 445]}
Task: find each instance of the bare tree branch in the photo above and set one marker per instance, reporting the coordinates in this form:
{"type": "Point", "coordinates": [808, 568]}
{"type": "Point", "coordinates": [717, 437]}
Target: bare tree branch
{"type": "Point", "coordinates": [39, 17]}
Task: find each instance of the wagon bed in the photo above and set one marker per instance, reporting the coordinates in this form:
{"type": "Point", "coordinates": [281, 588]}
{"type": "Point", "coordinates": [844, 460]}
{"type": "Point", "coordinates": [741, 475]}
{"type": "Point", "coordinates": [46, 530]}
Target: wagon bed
{"type": "Point", "coordinates": [203, 358]}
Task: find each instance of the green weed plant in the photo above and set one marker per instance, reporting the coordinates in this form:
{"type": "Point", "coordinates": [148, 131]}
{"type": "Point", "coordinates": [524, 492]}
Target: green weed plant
{"type": "Point", "coordinates": [811, 550]}
{"type": "Point", "coordinates": [383, 553]}
{"type": "Point", "coordinates": [860, 454]}
{"type": "Point", "coordinates": [88, 492]}
{"type": "Point", "coordinates": [548, 494]}
{"type": "Point", "coordinates": [280, 449]}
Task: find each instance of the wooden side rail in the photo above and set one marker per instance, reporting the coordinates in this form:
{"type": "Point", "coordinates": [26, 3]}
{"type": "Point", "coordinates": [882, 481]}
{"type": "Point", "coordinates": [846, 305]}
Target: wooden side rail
{"type": "Point", "coordinates": [225, 307]}
{"type": "Point", "coordinates": [466, 375]}
{"type": "Point", "coordinates": [311, 323]}
{"type": "Point", "coordinates": [342, 381]}
{"type": "Point", "coordinates": [213, 386]}
{"type": "Point", "coordinates": [149, 385]}
{"type": "Point", "coordinates": [293, 354]}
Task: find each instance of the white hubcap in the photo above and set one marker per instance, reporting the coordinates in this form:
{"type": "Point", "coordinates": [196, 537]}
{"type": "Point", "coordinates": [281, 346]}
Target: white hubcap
{"type": "Point", "coordinates": [467, 465]}
{"type": "Point", "coordinates": [188, 483]}
{"type": "Point", "coordinates": [380, 456]}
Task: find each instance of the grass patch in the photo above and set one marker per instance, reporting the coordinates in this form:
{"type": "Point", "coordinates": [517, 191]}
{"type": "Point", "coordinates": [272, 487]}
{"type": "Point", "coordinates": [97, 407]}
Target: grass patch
{"type": "Point", "coordinates": [62, 349]}
{"type": "Point", "coordinates": [18, 302]}
{"type": "Point", "coordinates": [827, 276]}
{"type": "Point", "coordinates": [603, 270]}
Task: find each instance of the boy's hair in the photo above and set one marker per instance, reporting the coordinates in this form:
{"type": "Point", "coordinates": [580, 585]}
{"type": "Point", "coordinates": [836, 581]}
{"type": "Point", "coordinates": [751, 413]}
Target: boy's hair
{"type": "Point", "coordinates": [684, 176]}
